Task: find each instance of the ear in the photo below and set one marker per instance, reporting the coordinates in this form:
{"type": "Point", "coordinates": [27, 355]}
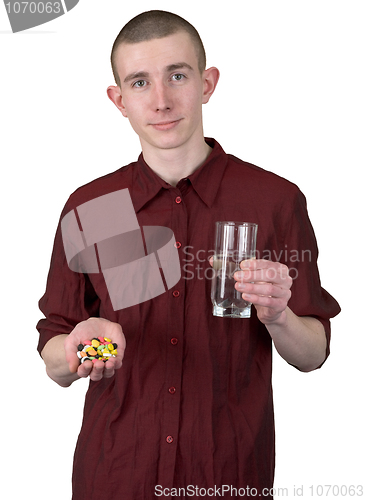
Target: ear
{"type": "Point", "coordinates": [115, 95]}
{"type": "Point", "coordinates": [210, 80]}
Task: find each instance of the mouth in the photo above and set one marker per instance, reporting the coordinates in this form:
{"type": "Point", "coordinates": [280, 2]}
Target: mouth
{"type": "Point", "coordinates": [166, 125]}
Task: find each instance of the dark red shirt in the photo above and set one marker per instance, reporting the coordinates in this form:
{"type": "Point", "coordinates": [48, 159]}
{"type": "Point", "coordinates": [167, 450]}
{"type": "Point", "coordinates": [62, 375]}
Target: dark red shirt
{"type": "Point", "coordinates": [192, 405]}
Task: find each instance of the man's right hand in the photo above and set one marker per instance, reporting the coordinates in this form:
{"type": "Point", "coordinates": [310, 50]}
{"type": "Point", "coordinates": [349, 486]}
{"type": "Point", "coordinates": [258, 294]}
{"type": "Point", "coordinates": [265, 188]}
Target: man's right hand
{"type": "Point", "coordinates": [60, 353]}
{"type": "Point", "coordinates": [87, 330]}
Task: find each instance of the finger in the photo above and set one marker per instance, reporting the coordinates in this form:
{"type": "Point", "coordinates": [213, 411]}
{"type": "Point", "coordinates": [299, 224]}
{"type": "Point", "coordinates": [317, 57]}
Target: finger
{"type": "Point", "coordinates": [249, 264]}
{"type": "Point", "coordinates": [84, 369]}
{"type": "Point", "coordinates": [262, 289]}
{"type": "Point", "coordinates": [72, 359]}
{"type": "Point", "coordinates": [70, 354]}
{"type": "Point", "coordinates": [273, 303]}
{"type": "Point", "coordinates": [253, 264]}
{"type": "Point", "coordinates": [121, 342]}
{"type": "Point", "coordinates": [110, 367]}
{"type": "Point", "coordinates": [97, 370]}
{"type": "Point", "coordinates": [262, 264]}
{"type": "Point", "coordinates": [275, 274]}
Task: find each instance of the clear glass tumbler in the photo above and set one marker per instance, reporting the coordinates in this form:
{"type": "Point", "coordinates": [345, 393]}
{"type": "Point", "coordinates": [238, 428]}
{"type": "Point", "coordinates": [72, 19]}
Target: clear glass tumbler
{"type": "Point", "coordinates": [234, 242]}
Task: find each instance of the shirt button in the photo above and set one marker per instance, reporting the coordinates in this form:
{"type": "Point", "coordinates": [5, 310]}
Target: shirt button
{"type": "Point", "coordinates": [178, 199]}
{"type": "Point", "coordinates": [174, 341]}
{"type": "Point", "coordinates": [172, 390]}
{"type": "Point", "coordinates": [169, 439]}
{"type": "Point", "coordinates": [176, 293]}
{"type": "Point", "coordinates": [177, 244]}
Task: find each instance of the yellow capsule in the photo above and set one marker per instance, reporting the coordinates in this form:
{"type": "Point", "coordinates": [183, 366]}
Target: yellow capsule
{"type": "Point", "coordinates": [110, 347]}
{"type": "Point", "coordinates": [107, 340]}
{"type": "Point", "coordinates": [115, 352]}
{"type": "Point", "coordinates": [95, 343]}
{"type": "Point", "coordinates": [88, 348]}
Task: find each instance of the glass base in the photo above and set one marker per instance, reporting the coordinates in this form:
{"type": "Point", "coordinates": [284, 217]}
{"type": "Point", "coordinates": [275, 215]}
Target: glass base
{"type": "Point", "coordinates": [232, 312]}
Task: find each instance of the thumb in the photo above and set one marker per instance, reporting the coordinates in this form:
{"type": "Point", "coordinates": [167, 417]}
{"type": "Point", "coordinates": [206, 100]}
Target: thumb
{"type": "Point", "coordinates": [71, 356]}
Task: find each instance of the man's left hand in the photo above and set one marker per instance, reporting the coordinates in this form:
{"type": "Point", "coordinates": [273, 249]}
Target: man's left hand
{"type": "Point", "coordinates": [266, 285]}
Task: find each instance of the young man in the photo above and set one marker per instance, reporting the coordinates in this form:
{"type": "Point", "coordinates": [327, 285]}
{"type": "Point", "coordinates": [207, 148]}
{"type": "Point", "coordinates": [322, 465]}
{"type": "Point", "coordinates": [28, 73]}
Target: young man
{"type": "Point", "coordinates": [186, 406]}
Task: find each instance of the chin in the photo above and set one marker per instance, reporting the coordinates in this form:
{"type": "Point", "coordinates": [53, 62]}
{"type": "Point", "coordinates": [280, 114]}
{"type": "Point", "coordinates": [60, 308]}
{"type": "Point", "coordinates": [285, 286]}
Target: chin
{"type": "Point", "coordinates": [167, 142]}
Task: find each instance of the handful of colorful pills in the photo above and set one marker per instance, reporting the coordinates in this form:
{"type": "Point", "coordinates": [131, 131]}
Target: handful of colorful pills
{"type": "Point", "coordinates": [98, 348]}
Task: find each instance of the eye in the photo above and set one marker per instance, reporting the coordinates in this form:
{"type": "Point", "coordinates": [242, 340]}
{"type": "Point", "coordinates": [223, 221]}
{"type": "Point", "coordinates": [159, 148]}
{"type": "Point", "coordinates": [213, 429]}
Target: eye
{"type": "Point", "coordinates": [178, 77]}
{"type": "Point", "coordinates": [139, 84]}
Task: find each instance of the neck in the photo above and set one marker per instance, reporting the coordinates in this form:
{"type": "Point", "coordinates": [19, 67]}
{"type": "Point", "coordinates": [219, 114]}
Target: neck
{"type": "Point", "coordinates": [176, 163]}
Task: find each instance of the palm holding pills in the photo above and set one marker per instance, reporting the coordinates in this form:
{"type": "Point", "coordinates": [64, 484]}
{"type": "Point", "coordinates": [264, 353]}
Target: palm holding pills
{"type": "Point", "coordinates": [93, 328]}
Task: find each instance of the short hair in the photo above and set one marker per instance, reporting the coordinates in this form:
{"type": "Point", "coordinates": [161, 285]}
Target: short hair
{"type": "Point", "coordinates": [156, 24]}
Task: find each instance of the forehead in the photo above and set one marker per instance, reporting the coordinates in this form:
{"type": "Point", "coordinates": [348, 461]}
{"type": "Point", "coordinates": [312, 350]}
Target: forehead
{"type": "Point", "coordinates": [155, 55]}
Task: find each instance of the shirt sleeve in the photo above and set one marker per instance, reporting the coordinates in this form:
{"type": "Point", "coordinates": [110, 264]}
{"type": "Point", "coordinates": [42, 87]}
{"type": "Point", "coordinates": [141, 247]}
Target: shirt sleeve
{"type": "Point", "coordinates": [69, 297]}
{"type": "Point", "coordinates": [301, 255]}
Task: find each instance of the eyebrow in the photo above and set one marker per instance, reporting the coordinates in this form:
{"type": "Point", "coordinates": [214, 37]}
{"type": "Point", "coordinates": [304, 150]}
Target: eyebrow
{"type": "Point", "coordinates": [181, 65]}
{"type": "Point", "coordinates": [145, 74]}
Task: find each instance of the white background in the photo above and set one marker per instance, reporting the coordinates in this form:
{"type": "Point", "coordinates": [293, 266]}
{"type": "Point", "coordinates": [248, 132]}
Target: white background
{"type": "Point", "coordinates": [291, 100]}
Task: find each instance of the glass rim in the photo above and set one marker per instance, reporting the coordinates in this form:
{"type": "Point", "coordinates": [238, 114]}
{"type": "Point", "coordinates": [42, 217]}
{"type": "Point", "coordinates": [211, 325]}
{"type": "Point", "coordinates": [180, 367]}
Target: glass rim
{"type": "Point", "coordinates": [235, 223]}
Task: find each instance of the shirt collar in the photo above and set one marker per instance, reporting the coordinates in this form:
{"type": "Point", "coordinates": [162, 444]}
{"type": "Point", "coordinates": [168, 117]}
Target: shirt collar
{"type": "Point", "coordinates": [205, 180]}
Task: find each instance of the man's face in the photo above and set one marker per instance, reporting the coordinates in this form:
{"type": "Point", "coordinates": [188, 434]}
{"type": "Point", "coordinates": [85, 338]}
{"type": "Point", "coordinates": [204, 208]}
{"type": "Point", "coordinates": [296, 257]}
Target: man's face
{"type": "Point", "coordinates": [162, 90]}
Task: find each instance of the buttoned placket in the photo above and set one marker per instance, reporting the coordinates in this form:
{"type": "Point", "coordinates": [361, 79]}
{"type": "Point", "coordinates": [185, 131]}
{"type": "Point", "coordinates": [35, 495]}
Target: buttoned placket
{"type": "Point", "coordinates": [174, 349]}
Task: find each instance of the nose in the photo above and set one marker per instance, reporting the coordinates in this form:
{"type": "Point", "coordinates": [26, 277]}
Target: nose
{"type": "Point", "coordinates": [161, 97]}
